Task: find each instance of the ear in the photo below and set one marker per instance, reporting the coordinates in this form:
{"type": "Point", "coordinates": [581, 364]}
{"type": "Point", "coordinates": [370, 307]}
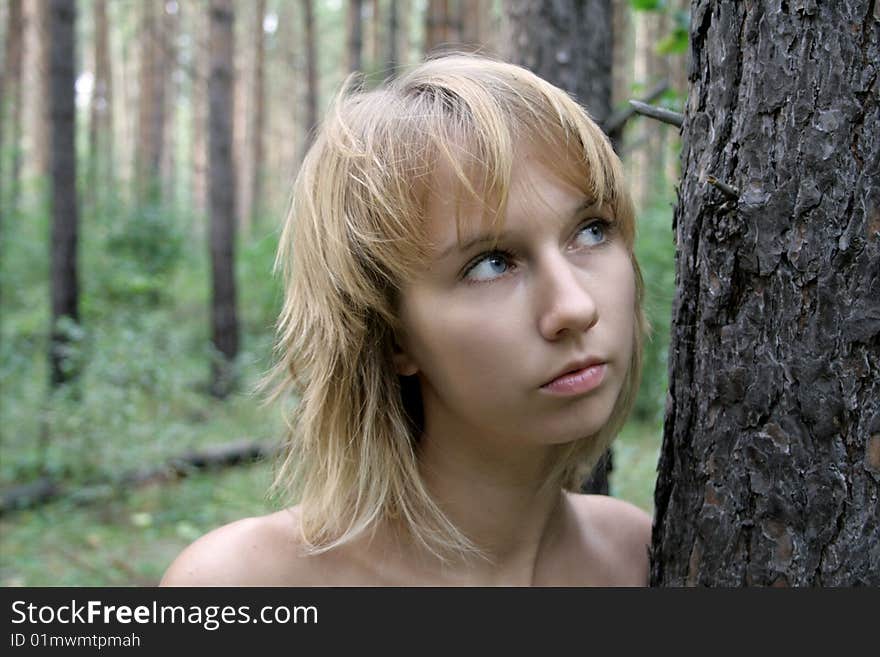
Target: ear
{"type": "Point", "coordinates": [403, 363]}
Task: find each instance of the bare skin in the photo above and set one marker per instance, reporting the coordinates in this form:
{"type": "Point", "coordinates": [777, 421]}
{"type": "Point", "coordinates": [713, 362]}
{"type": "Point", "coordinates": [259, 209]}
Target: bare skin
{"type": "Point", "coordinates": [557, 288]}
{"type": "Point", "coordinates": [599, 541]}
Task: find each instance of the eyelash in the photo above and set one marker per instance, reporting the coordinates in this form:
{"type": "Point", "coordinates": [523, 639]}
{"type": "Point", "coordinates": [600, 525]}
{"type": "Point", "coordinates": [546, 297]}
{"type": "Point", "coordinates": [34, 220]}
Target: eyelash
{"type": "Point", "coordinates": [606, 225]}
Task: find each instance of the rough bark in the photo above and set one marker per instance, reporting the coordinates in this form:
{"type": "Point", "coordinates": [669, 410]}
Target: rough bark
{"type": "Point", "coordinates": [568, 43]}
{"type": "Point", "coordinates": [224, 318]}
{"type": "Point", "coordinates": [65, 213]}
{"type": "Point", "coordinates": [770, 466]}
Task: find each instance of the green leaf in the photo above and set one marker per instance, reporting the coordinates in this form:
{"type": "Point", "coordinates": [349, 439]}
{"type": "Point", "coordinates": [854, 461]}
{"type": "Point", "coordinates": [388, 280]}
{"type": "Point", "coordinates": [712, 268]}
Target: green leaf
{"type": "Point", "coordinates": [646, 5]}
{"type": "Point", "coordinates": [673, 43]}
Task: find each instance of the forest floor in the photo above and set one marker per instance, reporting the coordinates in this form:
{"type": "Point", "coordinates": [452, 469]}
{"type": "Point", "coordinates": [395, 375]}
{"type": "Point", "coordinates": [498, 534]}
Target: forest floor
{"type": "Point", "coordinates": [131, 540]}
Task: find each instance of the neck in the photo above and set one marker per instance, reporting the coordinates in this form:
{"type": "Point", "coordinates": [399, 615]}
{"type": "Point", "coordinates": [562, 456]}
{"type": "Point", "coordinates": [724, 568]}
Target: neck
{"type": "Point", "coordinates": [497, 495]}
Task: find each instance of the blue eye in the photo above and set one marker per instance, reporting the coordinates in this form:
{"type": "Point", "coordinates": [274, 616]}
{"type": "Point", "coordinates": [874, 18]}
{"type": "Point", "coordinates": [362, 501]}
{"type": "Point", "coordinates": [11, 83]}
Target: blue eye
{"type": "Point", "coordinates": [490, 266]}
{"type": "Point", "coordinates": [594, 232]}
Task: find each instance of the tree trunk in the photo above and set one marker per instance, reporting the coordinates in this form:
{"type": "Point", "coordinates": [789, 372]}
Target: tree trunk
{"type": "Point", "coordinates": [355, 40]}
{"type": "Point", "coordinates": [65, 215]}
{"type": "Point", "coordinates": [391, 55]}
{"type": "Point", "coordinates": [311, 74]}
{"type": "Point", "coordinates": [622, 54]}
{"type": "Point", "coordinates": [474, 21]}
{"type": "Point", "coordinates": [568, 43]}
{"type": "Point", "coordinates": [404, 15]}
{"type": "Point", "coordinates": [200, 109]}
{"type": "Point", "coordinates": [101, 111]}
{"type": "Point", "coordinates": [11, 106]}
{"type": "Point", "coordinates": [170, 26]}
{"type": "Point", "coordinates": [650, 68]}
{"type": "Point", "coordinates": [151, 103]}
{"type": "Point", "coordinates": [677, 66]}
{"type": "Point", "coordinates": [251, 119]}
{"type": "Point", "coordinates": [289, 124]}
{"type": "Point", "coordinates": [258, 120]}
{"type": "Point", "coordinates": [36, 88]}
{"type": "Point", "coordinates": [125, 107]}
{"type": "Point", "coordinates": [770, 466]}
{"type": "Point", "coordinates": [437, 32]}
{"type": "Point", "coordinates": [224, 320]}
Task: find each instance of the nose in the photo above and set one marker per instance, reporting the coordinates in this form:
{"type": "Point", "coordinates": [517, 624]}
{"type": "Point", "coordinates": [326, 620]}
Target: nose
{"type": "Point", "coordinates": [567, 306]}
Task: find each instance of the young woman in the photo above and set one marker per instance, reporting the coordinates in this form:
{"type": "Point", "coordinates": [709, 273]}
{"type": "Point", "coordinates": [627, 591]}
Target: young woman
{"type": "Point", "coordinates": [462, 331]}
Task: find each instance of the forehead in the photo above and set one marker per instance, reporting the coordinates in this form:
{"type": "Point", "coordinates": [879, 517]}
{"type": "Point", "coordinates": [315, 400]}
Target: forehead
{"type": "Point", "coordinates": [535, 193]}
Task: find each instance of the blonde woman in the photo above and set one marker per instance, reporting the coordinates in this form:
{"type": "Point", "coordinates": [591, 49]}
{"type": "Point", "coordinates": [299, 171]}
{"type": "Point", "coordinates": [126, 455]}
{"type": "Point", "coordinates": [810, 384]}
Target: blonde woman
{"type": "Point", "coordinates": [462, 331]}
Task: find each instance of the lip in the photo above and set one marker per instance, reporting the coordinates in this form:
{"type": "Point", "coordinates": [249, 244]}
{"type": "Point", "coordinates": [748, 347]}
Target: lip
{"type": "Point", "coordinates": [578, 378]}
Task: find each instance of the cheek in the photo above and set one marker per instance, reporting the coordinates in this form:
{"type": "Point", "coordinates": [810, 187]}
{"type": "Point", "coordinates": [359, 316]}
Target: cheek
{"type": "Point", "coordinates": [618, 300]}
{"type": "Point", "coordinates": [461, 345]}
{"type": "Point", "coordinates": [625, 315]}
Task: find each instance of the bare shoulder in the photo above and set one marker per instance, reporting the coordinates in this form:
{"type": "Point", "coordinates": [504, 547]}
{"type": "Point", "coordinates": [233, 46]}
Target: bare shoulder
{"type": "Point", "coordinates": [621, 535]}
{"type": "Point", "coordinates": [258, 551]}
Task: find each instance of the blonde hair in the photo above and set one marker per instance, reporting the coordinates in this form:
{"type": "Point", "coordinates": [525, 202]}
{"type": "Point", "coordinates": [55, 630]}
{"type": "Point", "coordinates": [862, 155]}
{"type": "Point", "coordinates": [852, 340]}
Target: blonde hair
{"type": "Point", "coordinates": [356, 229]}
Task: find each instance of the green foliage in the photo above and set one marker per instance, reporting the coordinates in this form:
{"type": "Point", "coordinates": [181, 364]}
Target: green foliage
{"type": "Point", "coordinates": [141, 252]}
{"type": "Point", "coordinates": [142, 346]}
{"type": "Point", "coordinates": [676, 41]}
{"type": "Point", "coordinates": [655, 250]}
{"type": "Point", "coordinates": [647, 5]}
{"type": "Point", "coordinates": [262, 289]}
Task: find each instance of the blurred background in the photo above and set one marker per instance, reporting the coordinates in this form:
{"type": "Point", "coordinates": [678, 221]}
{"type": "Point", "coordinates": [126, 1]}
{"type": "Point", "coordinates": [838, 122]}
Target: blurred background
{"type": "Point", "coordinates": [137, 305]}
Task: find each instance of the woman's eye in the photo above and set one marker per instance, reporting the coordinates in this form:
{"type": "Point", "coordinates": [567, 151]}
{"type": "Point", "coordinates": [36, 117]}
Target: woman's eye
{"type": "Point", "coordinates": [490, 266]}
{"type": "Point", "coordinates": [593, 233]}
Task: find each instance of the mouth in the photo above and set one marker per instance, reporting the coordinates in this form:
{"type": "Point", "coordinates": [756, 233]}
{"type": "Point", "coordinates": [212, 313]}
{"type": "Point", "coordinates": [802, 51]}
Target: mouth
{"type": "Point", "coordinates": [577, 379]}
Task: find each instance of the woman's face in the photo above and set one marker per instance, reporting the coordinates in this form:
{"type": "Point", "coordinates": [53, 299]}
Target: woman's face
{"type": "Point", "coordinates": [489, 330]}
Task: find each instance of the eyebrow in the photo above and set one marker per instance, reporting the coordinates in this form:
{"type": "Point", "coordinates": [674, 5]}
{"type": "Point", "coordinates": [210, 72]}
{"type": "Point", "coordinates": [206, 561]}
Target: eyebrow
{"type": "Point", "coordinates": [489, 238]}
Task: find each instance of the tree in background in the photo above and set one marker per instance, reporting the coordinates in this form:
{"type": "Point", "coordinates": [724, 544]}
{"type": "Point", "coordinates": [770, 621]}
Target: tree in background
{"type": "Point", "coordinates": [311, 118]}
{"type": "Point", "coordinates": [770, 465]}
{"type": "Point", "coordinates": [100, 161]}
{"type": "Point", "coordinates": [570, 45]}
{"type": "Point", "coordinates": [221, 181]}
{"type": "Point", "coordinates": [254, 120]}
{"type": "Point", "coordinates": [36, 89]}
{"type": "Point", "coordinates": [11, 105]}
{"type": "Point", "coordinates": [441, 25]}
{"type": "Point", "coordinates": [200, 73]}
{"type": "Point", "coordinates": [151, 102]}
{"type": "Point", "coordinates": [391, 56]}
{"type": "Point", "coordinates": [169, 24]}
{"type": "Point", "coordinates": [354, 36]}
{"type": "Point", "coordinates": [64, 279]}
